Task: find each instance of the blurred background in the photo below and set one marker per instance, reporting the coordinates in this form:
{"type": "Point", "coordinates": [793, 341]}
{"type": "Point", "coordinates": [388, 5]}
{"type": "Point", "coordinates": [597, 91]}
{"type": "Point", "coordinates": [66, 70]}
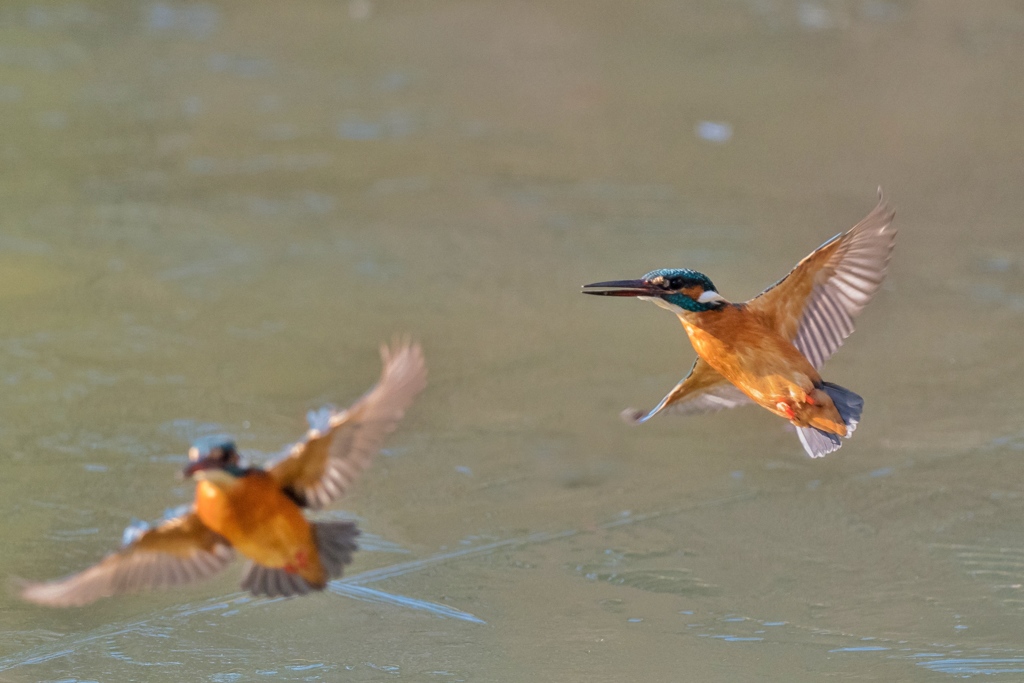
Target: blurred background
{"type": "Point", "coordinates": [213, 212]}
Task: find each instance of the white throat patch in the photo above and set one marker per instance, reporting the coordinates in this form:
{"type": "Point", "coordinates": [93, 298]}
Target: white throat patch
{"type": "Point", "coordinates": [658, 301]}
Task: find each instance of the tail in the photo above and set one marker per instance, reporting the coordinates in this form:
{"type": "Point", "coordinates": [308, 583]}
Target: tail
{"type": "Point", "coordinates": [335, 543]}
{"type": "Point", "coordinates": [850, 405]}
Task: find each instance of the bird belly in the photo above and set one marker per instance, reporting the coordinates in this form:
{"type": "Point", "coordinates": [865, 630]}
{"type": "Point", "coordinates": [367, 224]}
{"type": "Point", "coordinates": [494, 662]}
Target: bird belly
{"type": "Point", "coordinates": [261, 523]}
{"type": "Point", "coordinates": [764, 366]}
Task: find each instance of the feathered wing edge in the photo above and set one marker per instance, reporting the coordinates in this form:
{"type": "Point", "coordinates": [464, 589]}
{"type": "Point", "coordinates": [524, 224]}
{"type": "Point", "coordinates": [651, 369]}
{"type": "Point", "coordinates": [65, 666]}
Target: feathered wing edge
{"type": "Point", "coordinates": [703, 390]}
{"type": "Point", "coordinates": [178, 551]}
{"type": "Point", "coordinates": [320, 469]}
{"type": "Point", "coordinates": [815, 305]}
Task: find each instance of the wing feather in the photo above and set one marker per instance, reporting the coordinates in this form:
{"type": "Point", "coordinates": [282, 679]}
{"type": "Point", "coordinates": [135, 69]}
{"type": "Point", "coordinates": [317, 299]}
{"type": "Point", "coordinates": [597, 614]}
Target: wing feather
{"type": "Point", "coordinates": [703, 390]}
{"type": "Point", "coordinates": [178, 551]}
{"type": "Point", "coordinates": [321, 468]}
{"type": "Point", "coordinates": [815, 305]}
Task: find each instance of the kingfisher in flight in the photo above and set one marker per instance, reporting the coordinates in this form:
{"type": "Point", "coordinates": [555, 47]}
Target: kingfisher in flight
{"type": "Point", "coordinates": [258, 511]}
{"type": "Point", "coordinates": [769, 350]}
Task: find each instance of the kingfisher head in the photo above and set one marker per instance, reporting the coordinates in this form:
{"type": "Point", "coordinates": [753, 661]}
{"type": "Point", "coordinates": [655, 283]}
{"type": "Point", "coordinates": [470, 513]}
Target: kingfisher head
{"type": "Point", "coordinates": [214, 460]}
{"type": "Point", "coordinates": [677, 289]}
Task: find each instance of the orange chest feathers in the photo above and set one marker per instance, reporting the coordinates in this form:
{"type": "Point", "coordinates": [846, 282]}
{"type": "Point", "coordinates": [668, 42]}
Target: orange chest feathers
{"type": "Point", "coordinates": [255, 516]}
{"type": "Point", "coordinates": [745, 351]}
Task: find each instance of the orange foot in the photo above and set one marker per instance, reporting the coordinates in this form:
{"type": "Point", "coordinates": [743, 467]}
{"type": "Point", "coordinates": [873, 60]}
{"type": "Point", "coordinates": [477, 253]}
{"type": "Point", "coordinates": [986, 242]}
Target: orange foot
{"type": "Point", "coordinates": [784, 406]}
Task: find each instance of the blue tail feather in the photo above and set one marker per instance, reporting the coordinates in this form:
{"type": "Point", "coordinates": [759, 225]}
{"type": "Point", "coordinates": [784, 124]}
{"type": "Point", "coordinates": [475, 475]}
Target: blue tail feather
{"type": "Point", "coordinates": [816, 442]}
{"type": "Point", "coordinates": [850, 405]}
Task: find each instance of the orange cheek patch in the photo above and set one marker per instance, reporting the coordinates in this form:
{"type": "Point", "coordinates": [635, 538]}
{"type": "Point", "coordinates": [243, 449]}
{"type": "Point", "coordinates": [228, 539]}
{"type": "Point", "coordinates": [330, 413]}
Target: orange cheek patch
{"type": "Point", "coordinates": [692, 292]}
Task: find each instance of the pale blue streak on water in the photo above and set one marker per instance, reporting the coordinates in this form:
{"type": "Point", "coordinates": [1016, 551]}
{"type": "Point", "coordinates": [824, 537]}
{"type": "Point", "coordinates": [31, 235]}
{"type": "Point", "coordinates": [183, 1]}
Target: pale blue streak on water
{"type": "Point", "coordinates": [373, 595]}
{"type": "Point", "coordinates": [739, 639]}
{"type": "Point", "coordinates": [976, 666]}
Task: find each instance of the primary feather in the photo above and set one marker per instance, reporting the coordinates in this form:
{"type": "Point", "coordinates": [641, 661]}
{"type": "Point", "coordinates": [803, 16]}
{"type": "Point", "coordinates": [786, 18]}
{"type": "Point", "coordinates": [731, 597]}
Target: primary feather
{"type": "Point", "coordinates": [321, 468]}
{"type": "Point", "coordinates": [815, 305]}
{"type": "Point", "coordinates": [175, 552]}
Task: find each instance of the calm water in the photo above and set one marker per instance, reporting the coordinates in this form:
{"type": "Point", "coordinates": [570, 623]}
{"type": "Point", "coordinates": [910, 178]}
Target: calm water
{"type": "Point", "coordinates": [212, 214]}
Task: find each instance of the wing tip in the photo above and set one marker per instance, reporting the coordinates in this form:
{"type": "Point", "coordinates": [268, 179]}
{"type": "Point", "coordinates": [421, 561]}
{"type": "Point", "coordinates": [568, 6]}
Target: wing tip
{"type": "Point", "coordinates": [402, 378]}
{"type": "Point", "coordinates": [882, 211]}
{"type": "Point", "coordinates": [400, 344]}
{"type": "Point", "coordinates": [47, 593]}
{"type": "Point", "coordinates": [23, 588]}
{"type": "Point", "coordinates": [634, 417]}
{"type": "Point", "coordinates": [405, 355]}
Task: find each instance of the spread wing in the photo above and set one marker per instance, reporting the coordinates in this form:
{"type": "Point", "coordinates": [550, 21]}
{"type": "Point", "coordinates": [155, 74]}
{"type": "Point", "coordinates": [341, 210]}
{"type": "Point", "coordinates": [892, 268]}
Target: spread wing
{"type": "Point", "coordinates": [178, 551]}
{"type": "Point", "coordinates": [814, 306]}
{"type": "Point", "coordinates": [701, 391]}
{"type": "Point", "coordinates": [318, 470]}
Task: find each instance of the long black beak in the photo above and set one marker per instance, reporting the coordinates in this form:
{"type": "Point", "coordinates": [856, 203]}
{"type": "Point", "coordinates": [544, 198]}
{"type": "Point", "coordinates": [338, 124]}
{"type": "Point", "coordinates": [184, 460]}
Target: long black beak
{"type": "Point", "coordinates": [623, 288]}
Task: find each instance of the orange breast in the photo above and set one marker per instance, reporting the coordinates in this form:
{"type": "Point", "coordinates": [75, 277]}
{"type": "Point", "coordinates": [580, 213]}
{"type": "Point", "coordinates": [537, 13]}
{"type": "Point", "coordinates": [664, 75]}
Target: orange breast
{"type": "Point", "coordinates": [260, 522]}
{"type": "Point", "coordinates": [749, 354]}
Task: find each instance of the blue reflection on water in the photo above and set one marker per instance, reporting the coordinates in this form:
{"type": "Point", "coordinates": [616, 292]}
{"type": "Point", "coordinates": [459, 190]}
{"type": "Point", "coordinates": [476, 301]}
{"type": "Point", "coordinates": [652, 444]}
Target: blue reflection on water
{"type": "Point", "coordinates": [976, 665]}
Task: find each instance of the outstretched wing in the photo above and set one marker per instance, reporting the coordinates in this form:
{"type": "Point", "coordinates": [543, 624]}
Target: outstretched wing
{"type": "Point", "coordinates": [178, 551]}
{"type": "Point", "coordinates": [814, 306]}
{"type": "Point", "coordinates": [318, 470]}
{"type": "Point", "coordinates": [701, 391]}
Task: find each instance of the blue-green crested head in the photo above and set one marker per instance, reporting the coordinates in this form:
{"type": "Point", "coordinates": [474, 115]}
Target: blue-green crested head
{"type": "Point", "coordinates": [680, 278]}
{"type": "Point", "coordinates": [677, 289]}
{"type": "Point", "coordinates": [684, 288]}
{"type": "Point", "coordinates": [215, 453]}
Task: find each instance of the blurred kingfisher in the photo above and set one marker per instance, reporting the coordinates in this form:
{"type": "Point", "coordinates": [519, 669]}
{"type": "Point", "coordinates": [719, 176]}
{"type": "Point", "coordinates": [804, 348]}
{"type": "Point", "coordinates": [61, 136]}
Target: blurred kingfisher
{"type": "Point", "coordinates": [769, 349]}
{"type": "Point", "coordinates": [257, 511]}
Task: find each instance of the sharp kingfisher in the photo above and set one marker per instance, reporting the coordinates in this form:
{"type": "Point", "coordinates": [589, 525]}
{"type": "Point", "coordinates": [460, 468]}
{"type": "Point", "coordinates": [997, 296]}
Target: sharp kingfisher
{"type": "Point", "coordinates": [768, 350]}
{"type": "Point", "coordinates": [258, 512]}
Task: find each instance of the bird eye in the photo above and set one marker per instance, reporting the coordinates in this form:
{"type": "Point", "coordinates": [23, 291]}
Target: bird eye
{"type": "Point", "coordinates": [675, 283]}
